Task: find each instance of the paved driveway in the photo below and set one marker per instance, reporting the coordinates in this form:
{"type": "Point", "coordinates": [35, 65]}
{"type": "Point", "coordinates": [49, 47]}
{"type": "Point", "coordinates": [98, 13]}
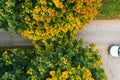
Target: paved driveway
{"type": "Point", "coordinates": [104, 33]}
{"type": "Point", "coordinates": [110, 64]}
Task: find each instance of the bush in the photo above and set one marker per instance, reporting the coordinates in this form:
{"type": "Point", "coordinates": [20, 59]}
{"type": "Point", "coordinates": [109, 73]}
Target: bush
{"type": "Point", "coordinates": [46, 19]}
{"type": "Point", "coordinates": [64, 59]}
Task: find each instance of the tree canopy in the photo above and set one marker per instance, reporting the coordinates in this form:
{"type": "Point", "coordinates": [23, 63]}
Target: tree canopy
{"type": "Point", "coordinates": [54, 22]}
{"type": "Point", "coordinates": [64, 59]}
{"type": "Point", "coordinates": [46, 19]}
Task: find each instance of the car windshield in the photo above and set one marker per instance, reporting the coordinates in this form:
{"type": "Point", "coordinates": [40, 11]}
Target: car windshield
{"type": "Point", "coordinates": [119, 51]}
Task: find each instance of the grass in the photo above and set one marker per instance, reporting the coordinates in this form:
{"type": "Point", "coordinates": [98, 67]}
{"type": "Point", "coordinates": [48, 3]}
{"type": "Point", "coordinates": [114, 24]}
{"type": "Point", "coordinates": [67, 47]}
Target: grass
{"type": "Point", "coordinates": [110, 9]}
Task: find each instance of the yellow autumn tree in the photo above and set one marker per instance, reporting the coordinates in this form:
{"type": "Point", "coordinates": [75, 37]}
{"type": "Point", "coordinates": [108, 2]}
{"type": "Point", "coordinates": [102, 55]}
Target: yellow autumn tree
{"type": "Point", "coordinates": [49, 19]}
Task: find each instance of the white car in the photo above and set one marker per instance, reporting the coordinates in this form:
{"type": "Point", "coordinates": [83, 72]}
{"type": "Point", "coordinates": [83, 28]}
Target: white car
{"type": "Point", "coordinates": [114, 50]}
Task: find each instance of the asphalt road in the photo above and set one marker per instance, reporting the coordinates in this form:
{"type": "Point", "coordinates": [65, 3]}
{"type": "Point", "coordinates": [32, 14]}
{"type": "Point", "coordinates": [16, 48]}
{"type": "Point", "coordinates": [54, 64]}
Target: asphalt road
{"type": "Point", "coordinates": [8, 39]}
{"type": "Point", "coordinates": [104, 33]}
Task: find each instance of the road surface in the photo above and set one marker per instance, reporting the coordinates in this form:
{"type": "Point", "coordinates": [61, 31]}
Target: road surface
{"type": "Point", "coordinates": [104, 33]}
{"type": "Point", "coordinates": [8, 39]}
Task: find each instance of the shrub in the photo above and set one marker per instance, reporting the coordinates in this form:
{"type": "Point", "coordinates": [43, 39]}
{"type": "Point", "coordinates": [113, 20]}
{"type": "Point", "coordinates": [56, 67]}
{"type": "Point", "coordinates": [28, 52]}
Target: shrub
{"type": "Point", "coordinates": [64, 59]}
{"type": "Point", "coordinates": [46, 19]}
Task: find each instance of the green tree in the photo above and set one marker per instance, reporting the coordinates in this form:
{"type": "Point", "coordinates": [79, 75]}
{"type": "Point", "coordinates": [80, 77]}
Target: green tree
{"type": "Point", "coordinates": [9, 15]}
{"type": "Point", "coordinates": [64, 59]}
{"type": "Point", "coordinates": [54, 22]}
{"type": "Point", "coordinates": [46, 19]}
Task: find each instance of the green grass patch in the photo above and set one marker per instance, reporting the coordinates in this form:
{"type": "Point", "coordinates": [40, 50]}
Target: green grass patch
{"type": "Point", "coordinates": [110, 9]}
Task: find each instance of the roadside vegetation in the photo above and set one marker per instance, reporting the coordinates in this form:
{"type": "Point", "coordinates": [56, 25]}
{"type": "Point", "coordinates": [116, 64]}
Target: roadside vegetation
{"type": "Point", "coordinates": [54, 23]}
{"type": "Point", "coordinates": [66, 59]}
{"type": "Point", "coordinates": [110, 9]}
